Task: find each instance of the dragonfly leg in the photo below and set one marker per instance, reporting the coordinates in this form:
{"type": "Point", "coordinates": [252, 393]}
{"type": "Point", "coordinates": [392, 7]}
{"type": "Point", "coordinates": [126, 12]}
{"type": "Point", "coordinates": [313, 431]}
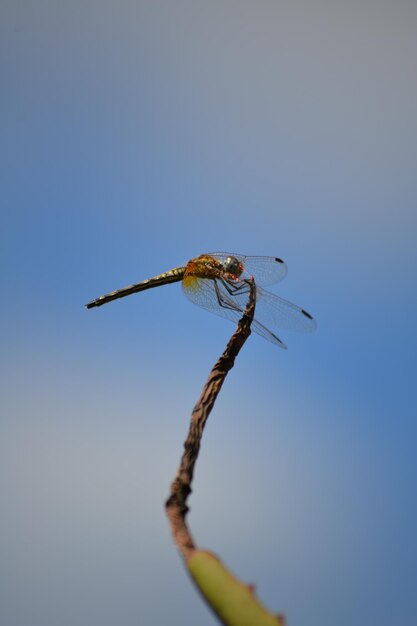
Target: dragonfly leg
{"type": "Point", "coordinates": [223, 302]}
{"type": "Point", "coordinates": [233, 288]}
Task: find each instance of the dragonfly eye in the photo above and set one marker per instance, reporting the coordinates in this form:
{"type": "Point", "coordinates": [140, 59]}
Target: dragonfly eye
{"type": "Point", "coordinates": [233, 266]}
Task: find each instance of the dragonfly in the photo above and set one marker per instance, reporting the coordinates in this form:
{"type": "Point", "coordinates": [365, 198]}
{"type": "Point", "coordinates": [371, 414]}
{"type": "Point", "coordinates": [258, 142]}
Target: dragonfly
{"type": "Point", "coordinates": [219, 283]}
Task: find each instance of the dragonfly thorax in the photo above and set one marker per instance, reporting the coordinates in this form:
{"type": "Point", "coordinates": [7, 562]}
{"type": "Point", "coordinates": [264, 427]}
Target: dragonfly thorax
{"type": "Point", "coordinates": [233, 266]}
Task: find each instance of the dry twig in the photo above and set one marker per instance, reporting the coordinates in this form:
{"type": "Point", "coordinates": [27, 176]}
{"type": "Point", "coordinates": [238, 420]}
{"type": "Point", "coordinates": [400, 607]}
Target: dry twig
{"type": "Point", "coordinates": [176, 505]}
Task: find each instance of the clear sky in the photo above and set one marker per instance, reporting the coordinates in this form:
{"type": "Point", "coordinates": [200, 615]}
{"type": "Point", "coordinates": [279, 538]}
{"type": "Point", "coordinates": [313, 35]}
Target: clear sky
{"type": "Point", "coordinates": [135, 135]}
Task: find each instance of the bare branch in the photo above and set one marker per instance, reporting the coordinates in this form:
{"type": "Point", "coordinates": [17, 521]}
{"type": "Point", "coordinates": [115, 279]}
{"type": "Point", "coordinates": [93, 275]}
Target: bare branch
{"type": "Point", "coordinates": [233, 602]}
{"type": "Point", "coordinates": [176, 505]}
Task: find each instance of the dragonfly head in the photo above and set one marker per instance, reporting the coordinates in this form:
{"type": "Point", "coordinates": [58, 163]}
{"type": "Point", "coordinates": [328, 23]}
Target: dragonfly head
{"type": "Point", "coordinates": [233, 266]}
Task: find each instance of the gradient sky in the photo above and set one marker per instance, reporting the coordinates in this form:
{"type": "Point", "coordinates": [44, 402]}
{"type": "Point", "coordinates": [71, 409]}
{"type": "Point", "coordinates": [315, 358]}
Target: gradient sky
{"type": "Point", "coordinates": [135, 135]}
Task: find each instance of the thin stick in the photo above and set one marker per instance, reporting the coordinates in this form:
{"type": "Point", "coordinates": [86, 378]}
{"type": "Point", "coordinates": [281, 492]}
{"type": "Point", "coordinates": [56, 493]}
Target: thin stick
{"type": "Point", "coordinates": [176, 505]}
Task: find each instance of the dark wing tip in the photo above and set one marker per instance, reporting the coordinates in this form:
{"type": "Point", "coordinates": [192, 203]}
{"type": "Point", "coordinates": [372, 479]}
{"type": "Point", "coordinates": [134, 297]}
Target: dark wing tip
{"type": "Point", "coordinates": [278, 341]}
{"type": "Point", "coordinates": [310, 317]}
{"type": "Point", "coordinates": [278, 260]}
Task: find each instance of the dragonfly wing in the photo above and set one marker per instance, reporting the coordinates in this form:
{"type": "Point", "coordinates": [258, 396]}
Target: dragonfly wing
{"type": "Point", "coordinates": [267, 334]}
{"type": "Point", "coordinates": [271, 309]}
{"type": "Point", "coordinates": [279, 312]}
{"type": "Point", "coordinates": [266, 270]}
{"type": "Point", "coordinates": [214, 297]}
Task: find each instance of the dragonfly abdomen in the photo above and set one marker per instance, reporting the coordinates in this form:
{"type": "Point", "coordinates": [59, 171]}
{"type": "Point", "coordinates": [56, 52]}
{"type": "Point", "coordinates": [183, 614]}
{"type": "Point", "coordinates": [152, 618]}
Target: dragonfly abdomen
{"type": "Point", "coordinates": [172, 276]}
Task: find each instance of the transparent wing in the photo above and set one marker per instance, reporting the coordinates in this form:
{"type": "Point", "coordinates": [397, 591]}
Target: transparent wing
{"type": "Point", "coordinates": [266, 270]}
{"type": "Point", "coordinates": [213, 296]}
{"type": "Point", "coordinates": [271, 309]}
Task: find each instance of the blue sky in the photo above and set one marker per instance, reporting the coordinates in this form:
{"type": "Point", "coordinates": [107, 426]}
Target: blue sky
{"type": "Point", "coordinates": [135, 136]}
